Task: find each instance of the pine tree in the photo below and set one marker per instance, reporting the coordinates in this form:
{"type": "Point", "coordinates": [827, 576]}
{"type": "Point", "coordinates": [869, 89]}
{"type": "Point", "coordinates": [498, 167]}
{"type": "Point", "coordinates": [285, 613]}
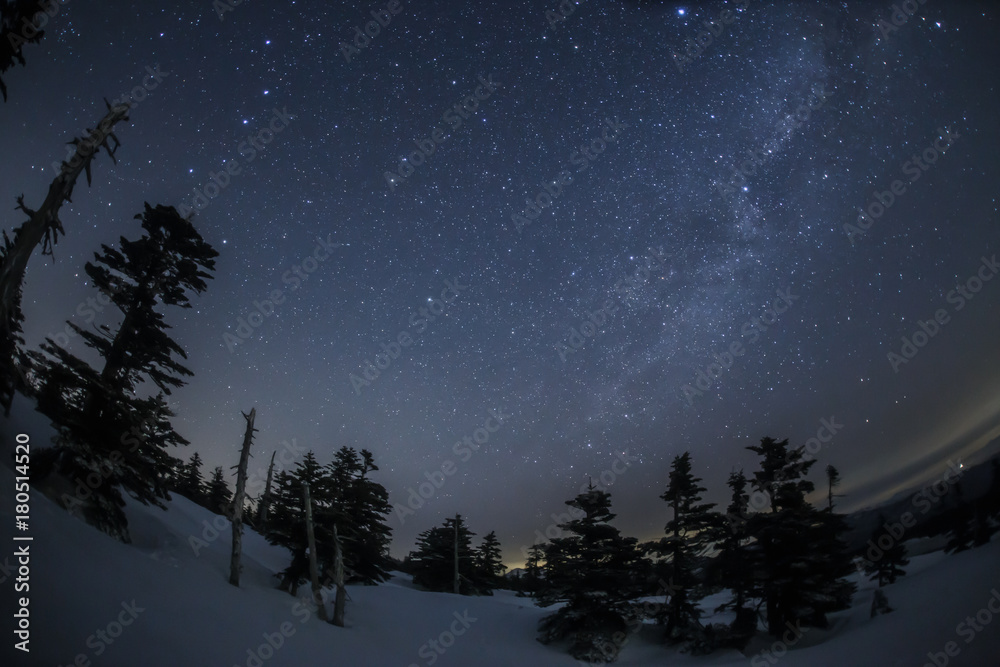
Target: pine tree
{"type": "Point", "coordinates": [343, 497]}
{"type": "Point", "coordinates": [690, 533]}
{"type": "Point", "coordinates": [533, 571]}
{"type": "Point", "coordinates": [889, 566]}
{"type": "Point", "coordinates": [287, 526]}
{"type": "Point", "coordinates": [488, 565]}
{"type": "Point", "coordinates": [100, 416]}
{"type": "Point", "coordinates": [433, 560]}
{"type": "Point", "coordinates": [364, 505]}
{"type": "Point", "coordinates": [190, 482]}
{"type": "Point", "coordinates": [219, 497]}
{"type": "Point", "coordinates": [735, 563]}
{"type": "Point", "coordinates": [598, 574]}
{"type": "Point", "coordinates": [835, 563]}
{"type": "Point", "coordinates": [800, 582]}
{"type": "Point", "coordinates": [960, 537]}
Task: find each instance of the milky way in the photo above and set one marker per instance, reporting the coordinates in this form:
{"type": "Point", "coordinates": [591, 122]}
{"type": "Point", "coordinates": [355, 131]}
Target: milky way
{"type": "Point", "coordinates": [629, 231]}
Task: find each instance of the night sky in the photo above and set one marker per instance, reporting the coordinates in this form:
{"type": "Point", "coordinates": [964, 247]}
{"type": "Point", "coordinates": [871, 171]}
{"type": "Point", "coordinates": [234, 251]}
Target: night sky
{"type": "Point", "coordinates": [647, 233]}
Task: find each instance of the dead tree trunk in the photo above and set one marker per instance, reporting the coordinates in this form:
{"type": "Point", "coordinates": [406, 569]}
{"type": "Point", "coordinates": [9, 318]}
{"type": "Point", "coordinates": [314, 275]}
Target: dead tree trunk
{"type": "Point", "coordinates": [338, 579]}
{"type": "Point", "coordinates": [241, 483]}
{"type": "Point", "coordinates": [311, 539]}
{"type": "Point", "coordinates": [457, 582]}
{"type": "Point", "coordinates": [265, 501]}
{"type": "Point", "coordinates": [43, 227]}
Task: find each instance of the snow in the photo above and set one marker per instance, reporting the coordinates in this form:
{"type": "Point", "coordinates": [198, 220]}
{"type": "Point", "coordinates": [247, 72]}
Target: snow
{"type": "Point", "coordinates": [181, 609]}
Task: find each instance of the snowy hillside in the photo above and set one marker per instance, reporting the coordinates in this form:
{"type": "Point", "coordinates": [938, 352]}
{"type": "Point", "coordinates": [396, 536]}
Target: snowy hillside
{"type": "Point", "coordinates": [176, 608]}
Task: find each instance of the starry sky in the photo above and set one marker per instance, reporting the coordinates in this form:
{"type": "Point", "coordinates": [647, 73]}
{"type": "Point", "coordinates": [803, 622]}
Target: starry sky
{"type": "Point", "coordinates": [649, 233]}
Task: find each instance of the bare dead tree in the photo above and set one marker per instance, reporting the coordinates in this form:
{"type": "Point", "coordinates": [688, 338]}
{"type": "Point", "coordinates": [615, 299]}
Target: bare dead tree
{"type": "Point", "coordinates": [311, 539]}
{"type": "Point", "coordinates": [241, 484]}
{"type": "Point", "coordinates": [338, 579]}
{"type": "Point", "coordinates": [43, 228]}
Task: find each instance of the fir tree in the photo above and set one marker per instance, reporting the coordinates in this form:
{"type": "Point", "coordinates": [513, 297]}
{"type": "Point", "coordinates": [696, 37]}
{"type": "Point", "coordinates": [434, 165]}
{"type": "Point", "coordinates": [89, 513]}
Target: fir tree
{"type": "Point", "coordinates": [219, 497]}
{"type": "Point", "coordinates": [433, 560]}
{"type": "Point", "coordinates": [190, 482]}
{"type": "Point", "coordinates": [801, 582]}
{"type": "Point", "coordinates": [101, 419]}
{"type": "Point", "coordinates": [533, 571]}
{"type": "Point", "coordinates": [690, 533]}
{"type": "Point", "coordinates": [735, 563]}
{"type": "Point", "coordinates": [287, 526]}
{"type": "Point", "coordinates": [488, 564]}
{"type": "Point", "coordinates": [889, 566]}
{"type": "Point", "coordinates": [960, 537]}
{"type": "Point", "coordinates": [598, 574]}
{"type": "Point", "coordinates": [363, 505]}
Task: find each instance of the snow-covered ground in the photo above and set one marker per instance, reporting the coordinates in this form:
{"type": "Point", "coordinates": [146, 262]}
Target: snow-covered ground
{"type": "Point", "coordinates": [156, 602]}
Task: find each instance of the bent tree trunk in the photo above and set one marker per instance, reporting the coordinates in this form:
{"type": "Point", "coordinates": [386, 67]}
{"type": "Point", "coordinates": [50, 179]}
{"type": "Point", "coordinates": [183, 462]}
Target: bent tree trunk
{"type": "Point", "coordinates": [43, 227]}
{"type": "Point", "coordinates": [241, 483]}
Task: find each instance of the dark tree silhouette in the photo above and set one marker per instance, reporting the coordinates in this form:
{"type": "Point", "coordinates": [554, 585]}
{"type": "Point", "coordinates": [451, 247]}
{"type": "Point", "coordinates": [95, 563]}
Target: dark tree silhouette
{"type": "Point", "coordinates": [219, 496]}
{"type": "Point", "coordinates": [598, 574]}
{"type": "Point", "coordinates": [802, 577]}
{"type": "Point", "coordinates": [20, 24]}
{"type": "Point", "coordinates": [41, 228]}
{"type": "Point", "coordinates": [104, 429]}
{"type": "Point", "coordinates": [889, 565]}
{"type": "Point", "coordinates": [690, 533]}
